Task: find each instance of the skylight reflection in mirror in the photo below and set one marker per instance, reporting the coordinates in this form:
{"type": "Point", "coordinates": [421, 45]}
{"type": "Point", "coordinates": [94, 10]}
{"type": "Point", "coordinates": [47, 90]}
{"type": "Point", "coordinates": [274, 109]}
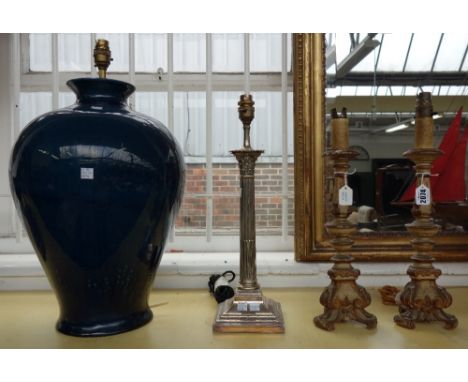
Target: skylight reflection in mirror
{"type": "Point", "coordinates": [422, 52]}
{"type": "Point", "coordinates": [393, 52]}
{"type": "Point", "coordinates": [451, 52]}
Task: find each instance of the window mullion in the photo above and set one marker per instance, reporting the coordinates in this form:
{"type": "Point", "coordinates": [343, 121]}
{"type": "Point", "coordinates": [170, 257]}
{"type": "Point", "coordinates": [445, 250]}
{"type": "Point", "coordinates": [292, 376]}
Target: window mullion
{"type": "Point", "coordinates": [247, 63]}
{"type": "Point", "coordinates": [209, 139]}
{"type": "Point", "coordinates": [92, 69]}
{"type": "Point", "coordinates": [55, 72]}
{"type": "Point", "coordinates": [15, 118]}
{"type": "Point", "coordinates": [284, 126]}
{"type": "Point", "coordinates": [170, 98]}
{"type": "Point", "coordinates": [131, 62]}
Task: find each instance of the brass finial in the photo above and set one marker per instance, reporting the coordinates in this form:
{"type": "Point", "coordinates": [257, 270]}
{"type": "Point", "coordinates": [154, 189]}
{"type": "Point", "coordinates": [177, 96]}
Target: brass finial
{"type": "Point", "coordinates": [102, 57]}
{"type": "Point", "coordinates": [246, 115]}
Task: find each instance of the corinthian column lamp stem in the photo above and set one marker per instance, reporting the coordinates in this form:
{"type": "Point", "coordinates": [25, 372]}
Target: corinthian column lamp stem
{"type": "Point", "coordinates": [248, 310]}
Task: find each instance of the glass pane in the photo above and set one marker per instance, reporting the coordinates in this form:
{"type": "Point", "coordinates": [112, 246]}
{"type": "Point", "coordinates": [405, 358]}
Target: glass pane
{"type": "Point", "coordinates": [383, 90]}
{"type": "Point", "coordinates": [153, 104]}
{"type": "Point", "coordinates": [265, 52]}
{"type": "Point", "coordinates": [290, 125]}
{"type": "Point", "coordinates": [75, 52]}
{"type": "Point", "coordinates": [451, 51]}
{"type": "Point", "coordinates": [465, 65]}
{"type": "Point", "coordinates": [227, 128]}
{"type": "Point", "coordinates": [333, 92]}
{"type": "Point", "coordinates": [226, 208]}
{"type": "Point", "coordinates": [66, 99]}
{"type": "Point", "coordinates": [343, 46]}
{"type": "Point", "coordinates": [422, 53]}
{"type": "Point", "coordinates": [190, 122]}
{"type": "Point", "coordinates": [396, 90]}
{"type": "Point", "coordinates": [458, 90]}
{"type": "Point", "coordinates": [410, 90]}
{"type": "Point", "coordinates": [291, 216]}
{"type": "Point", "coordinates": [266, 127]}
{"type": "Point", "coordinates": [189, 52]}
{"type": "Point", "coordinates": [268, 208]}
{"type": "Point", "coordinates": [368, 63]}
{"type": "Point", "coordinates": [150, 52]}
{"type": "Point", "coordinates": [192, 214]}
{"type": "Point", "coordinates": [348, 90]}
{"type": "Point", "coordinates": [444, 90]}
{"type": "Point", "coordinates": [118, 43]}
{"type": "Point", "coordinates": [33, 105]}
{"type": "Point", "coordinates": [228, 52]}
{"type": "Point", "coordinates": [364, 90]}
{"type": "Point", "coordinates": [40, 52]}
{"type": "Point", "coordinates": [393, 51]}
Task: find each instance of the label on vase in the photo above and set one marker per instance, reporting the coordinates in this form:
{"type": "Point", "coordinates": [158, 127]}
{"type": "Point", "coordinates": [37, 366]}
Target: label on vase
{"type": "Point", "coordinates": [86, 173]}
{"type": "Point", "coordinates": [423, 195]}
{"type": "Point", "coordinates": [345, 196]}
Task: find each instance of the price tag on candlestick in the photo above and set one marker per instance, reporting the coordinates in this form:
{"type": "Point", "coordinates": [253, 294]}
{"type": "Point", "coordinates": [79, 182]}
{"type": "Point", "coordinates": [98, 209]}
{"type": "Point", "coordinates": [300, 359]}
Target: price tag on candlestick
{"type": "Point", "coordinates": [345, 196]}
{"type": "Point", "coordinates": [423, 195]}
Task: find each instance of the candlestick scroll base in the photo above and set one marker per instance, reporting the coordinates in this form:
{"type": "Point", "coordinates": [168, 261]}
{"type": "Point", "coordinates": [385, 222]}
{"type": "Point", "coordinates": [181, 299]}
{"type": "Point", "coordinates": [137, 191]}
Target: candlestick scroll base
{"type": "Point", "coordinates": [422, 300]}
{"type": "Point", "coordinates": [344, 300]}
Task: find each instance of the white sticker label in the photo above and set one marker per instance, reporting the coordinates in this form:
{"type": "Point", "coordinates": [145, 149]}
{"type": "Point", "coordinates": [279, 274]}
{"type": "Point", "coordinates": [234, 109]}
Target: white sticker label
{"type": "Point", "coordinates": [242, 307]}
{"type": "Point", "coordinates": [254, 307]}
{"type": "Point", "coordinates": [345, 196]}
{"type": "Point", "coordinates": [87, 173]}
{"type": "Point", "coordinates": [423, 195]}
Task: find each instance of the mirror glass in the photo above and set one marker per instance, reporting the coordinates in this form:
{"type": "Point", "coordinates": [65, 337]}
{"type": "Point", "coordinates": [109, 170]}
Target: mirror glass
{"type": "Point", "coordinates": [376, 77]}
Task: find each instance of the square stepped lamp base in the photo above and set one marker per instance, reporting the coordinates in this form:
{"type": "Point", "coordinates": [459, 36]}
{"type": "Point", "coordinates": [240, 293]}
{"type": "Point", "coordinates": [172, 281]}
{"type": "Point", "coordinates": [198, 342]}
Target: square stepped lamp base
{"type": "Point", "coordinates": [249, 312]}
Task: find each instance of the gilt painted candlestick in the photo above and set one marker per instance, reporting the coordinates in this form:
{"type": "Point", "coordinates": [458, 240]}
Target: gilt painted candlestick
{"type": "Point", "coordinates": [422, 300]}
{"type": "Point", "coordinates": [343, 299]}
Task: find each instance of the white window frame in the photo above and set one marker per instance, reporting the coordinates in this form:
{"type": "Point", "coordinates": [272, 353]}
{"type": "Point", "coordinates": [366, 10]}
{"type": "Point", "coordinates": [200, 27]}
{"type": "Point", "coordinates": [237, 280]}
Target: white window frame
{"type": "Point", "coordinates": [171, 82]}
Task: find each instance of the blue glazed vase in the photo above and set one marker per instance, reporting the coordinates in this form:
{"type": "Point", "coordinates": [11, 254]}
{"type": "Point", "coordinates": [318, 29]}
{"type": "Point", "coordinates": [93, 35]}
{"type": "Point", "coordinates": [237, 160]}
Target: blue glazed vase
{"type": "Point", "coordinates": [98, 187]}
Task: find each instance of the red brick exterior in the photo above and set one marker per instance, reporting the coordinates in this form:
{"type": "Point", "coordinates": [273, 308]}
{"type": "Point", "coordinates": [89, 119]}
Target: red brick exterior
{"type": "Point", "coordinates": [226, 192]}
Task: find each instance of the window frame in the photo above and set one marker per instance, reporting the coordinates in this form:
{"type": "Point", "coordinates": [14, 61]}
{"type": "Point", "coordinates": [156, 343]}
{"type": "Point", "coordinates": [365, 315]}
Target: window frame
{"type": "Point", "coordinates": [171, 82]}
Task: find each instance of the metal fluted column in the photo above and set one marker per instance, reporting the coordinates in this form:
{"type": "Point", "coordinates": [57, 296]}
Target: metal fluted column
{"type": "Point", "coordinates": [248, 269]}
{"type": "Point", "coordinates": [246, 158]}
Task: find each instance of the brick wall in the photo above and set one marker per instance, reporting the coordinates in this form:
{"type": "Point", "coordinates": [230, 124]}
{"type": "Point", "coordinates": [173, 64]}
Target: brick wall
{"type": "Point", "coordinates": [226, 192]}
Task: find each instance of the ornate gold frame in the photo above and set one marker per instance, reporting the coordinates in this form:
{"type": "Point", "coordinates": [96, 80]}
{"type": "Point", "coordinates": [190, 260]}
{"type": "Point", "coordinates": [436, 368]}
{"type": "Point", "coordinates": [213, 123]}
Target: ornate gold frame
{"type": "Point", "coordinates": [311, 242]}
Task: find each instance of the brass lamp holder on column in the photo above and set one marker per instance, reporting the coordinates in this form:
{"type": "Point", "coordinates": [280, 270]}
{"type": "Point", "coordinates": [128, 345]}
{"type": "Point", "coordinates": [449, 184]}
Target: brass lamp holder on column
{"type": "Point", "coordinates": [343, 299]}
{"type": "Point", "coordinates": [249, 310]}
{"type": "Point", "coordinates": [422, 300]}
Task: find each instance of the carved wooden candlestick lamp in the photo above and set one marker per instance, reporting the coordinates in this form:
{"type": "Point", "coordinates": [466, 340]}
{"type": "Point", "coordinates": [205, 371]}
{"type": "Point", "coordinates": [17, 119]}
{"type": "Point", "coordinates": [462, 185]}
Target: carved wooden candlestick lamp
{"type": "Point", "coordinates": [343, 299]}
{"type": "Point", "coordinates": [422, 300]}
{"type": "Point", "coordinates": [248, 310]}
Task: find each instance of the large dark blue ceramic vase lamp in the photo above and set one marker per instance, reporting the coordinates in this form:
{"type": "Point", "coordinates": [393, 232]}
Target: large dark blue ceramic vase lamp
{"type": "Point", "coordinates": [98, 187]}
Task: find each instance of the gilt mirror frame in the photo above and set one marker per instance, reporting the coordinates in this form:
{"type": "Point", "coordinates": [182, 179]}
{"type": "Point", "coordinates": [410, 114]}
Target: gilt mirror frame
{"type": "Point", "coordinates": [311, 241]}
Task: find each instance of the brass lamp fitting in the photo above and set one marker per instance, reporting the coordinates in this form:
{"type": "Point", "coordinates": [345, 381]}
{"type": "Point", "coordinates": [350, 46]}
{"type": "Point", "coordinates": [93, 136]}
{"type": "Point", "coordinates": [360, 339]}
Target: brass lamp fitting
{"type": "Point", "coordinates": [102, 57]}
{"type": "Point", "coordinates": [246, 115]}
